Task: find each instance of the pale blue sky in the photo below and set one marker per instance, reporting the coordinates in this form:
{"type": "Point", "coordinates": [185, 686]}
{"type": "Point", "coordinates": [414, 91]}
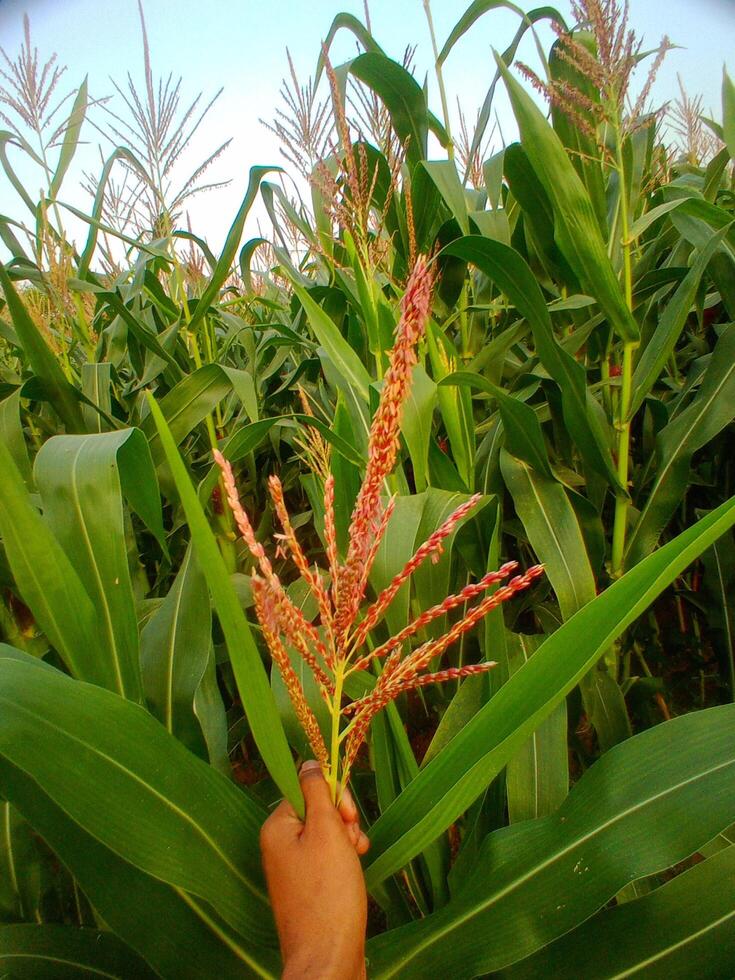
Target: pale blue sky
{"type": "Point", "coordinates": [240, 44]}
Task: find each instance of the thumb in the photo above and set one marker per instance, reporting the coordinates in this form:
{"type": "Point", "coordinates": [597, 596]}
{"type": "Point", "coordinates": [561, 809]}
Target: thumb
{"type": "Point", "coordinates": [319, 806]}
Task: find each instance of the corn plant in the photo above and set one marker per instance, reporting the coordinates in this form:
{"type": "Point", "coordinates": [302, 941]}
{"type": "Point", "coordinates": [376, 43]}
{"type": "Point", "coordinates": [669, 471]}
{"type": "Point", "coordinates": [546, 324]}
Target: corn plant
{"type": "Point", "coordinates": [552, 386]}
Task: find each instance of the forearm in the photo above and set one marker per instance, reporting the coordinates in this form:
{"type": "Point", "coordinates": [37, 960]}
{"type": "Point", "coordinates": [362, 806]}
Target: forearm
{"type": "Point", "coordinates": [324, 964]}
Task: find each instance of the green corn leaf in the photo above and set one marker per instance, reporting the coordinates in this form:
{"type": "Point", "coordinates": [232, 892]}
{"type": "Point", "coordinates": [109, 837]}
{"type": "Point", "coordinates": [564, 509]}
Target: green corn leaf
{"type": "Point", "coordinates": [455, 405]}
{"type": "Point", "coordinates": [119, 153]}
{"type": "Point", "coordinates": [48, 582]}
{"type": "Point", "coordinates": [553, 531]}
{"type": "Point", "coordinates": [346, 479]}
{"type": "Point", "coordinates": [471, 14]}
{"type": "Point", "coordinates": [468, 700]}
{"type": "Point", "coordinates": [431, 580]}
{"type": "Point", "coordinates": [396, 547]}
{"type": "Point", "coordinates": [72, 132]}
{"type": "Point", "coordinates": [21, 867]}
{"type": "Point", "coordinates": [194, 943]}
{"type": "Point", "coordinates": [523, 435]}
{"type": "Point", "coordinates": [643, 806]}
{"type": "Point", "coordinates": [462, 770]}
{"type": "Point", "coordinates": [683, 929]}
{"type": "Point", "coordinates": [710, 411]}
{"type": "Point", "coordinates": [728, 113]}
{"type": "Point", "coordinates": [538, 214]}
{"type": "Point", "coordinates": [492, 171]}
{"type": "Point", "coordinates": [82, 480]}
{"type": "Point", "coordinates": [333, 438]}
{"type": "Point", "coordinates": [645, 221]}
{"type": "Point", "coordinates": [416, 424]}
{"type": "Point", "coordinates": [210, 713]}
{"type": "Point", "coordinates": [240, 444]}
{"type": "Point", "coordinates": [11, 433]}
{"type": "Point", "coordinates": [48, 952]}
{"type": "Point", "coordinates": [402, 96]}
{"type": "Point", "coordinates": [186, 405]}
{"type": "Point", "coordinates": [340, 353]}
{"type": "Point", "coordinates": [345, 21]}
{"type": "Point", "coordinates": [201, 244]}
{"type": "Point", "coordinates": [429, 210]}
{"type": "Point", "coordinates": [479, 7]}
{"type": "Point", "coordinates": [10, 240]}
{"type": "Point", "coordinates": [143, 334]}
{"type": "Point", "coordinates": [174, 653]}
{"type": "Point", "coordinates": [582, 146]}
{"type": "Point", "coordinates": [144, 796]}
{"type": "Point", "coordinates": [719, 583]}
{"type": "Point", "coordinates": [537, 776]}
{"type": "Point", "coordinates": [250, 675]}
{"type": "Point", "coordinates": [444, 175]}
{"type": "Point", "coordinates": [576, 229]}
{"type": "Point", "coordinates": [671, 323]}
{"type": "Point", "coordinates": [96, 385]}
{"type": "Point", "coordinates": [229, 249]}
{"type": "Point", "coordinates": [8, 138]}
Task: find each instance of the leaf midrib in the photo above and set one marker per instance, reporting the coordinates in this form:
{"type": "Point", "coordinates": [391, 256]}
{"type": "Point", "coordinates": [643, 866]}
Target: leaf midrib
{"type": "Point", "coordinates": [662, 953]}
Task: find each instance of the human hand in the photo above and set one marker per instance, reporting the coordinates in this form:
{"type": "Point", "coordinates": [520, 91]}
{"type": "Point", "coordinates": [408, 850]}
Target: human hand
{"type": "Point", "coordinates": [315, 882]}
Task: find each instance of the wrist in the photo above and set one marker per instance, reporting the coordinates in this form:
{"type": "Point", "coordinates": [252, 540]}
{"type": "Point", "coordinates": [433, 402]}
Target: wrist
{"type": "Point", "coordinates": [324, 964]}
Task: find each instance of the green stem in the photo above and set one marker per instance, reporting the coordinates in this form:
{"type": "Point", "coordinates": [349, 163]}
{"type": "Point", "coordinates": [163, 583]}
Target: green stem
{"type": "Point", "coordinates": [464, 325]}
{"type": "Point", "coordinates": [622, 501]}
{"type": "Point", "coordinates": [339, 676]}
{"type": "Point", "coordinates": [622, 424]}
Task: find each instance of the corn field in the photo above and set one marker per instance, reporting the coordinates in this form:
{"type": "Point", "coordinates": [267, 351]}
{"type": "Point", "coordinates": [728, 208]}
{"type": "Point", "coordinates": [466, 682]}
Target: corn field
{"type": "Point", "coordinates": [432, 481]}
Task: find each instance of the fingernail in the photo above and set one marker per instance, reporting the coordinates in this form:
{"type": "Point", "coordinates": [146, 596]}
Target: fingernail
{"type": "Point", "coordinates": [309, 765]}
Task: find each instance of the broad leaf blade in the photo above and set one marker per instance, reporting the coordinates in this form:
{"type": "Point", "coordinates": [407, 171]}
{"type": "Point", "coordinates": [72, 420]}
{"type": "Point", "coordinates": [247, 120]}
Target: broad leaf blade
{"type": "Point", "coordinates": [144, 796]}
{"type": "Point", "coordinates": [684, 929]}
{"type": "Point", "coordinates": [174, 653]}
{"type": "Point", "coordinates": [80, 479]}
{"type": "Point", "coordinates": [194, 943]}
{"type": "Point", "coordinates": [49, 952]}
{"type": "Point", "coordinates": [47, 581]}
{"type": "Point", "coordinates": [537, 777]}
{"type": "Point", "coordinates": [644, 806]}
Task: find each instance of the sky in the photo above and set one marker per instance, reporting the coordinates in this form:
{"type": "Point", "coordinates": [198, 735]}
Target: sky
{"type": "Point", "coordinates": [240, 45]}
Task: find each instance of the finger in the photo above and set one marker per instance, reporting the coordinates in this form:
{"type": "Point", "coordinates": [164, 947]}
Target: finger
{"type": "Point", "coordinates": [317, 798]}
{"type": "Point", "coordinates": [347, 808]}
{"type": "Point", "coordinates": [363, 844]}
{"type": "Point", "coordinates": [284, 811]}
{"type": "Point", "coordinates": [281, 827]}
